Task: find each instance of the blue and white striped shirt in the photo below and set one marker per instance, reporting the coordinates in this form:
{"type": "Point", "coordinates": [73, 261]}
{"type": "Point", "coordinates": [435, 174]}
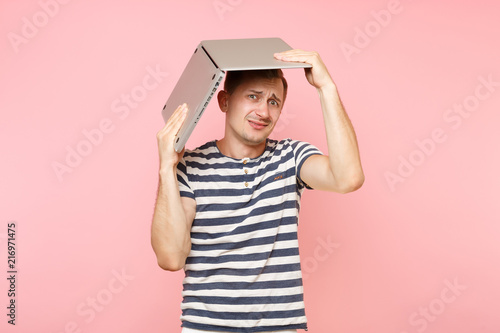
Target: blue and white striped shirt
{"type": "Point", "coordinates": [243, 272]}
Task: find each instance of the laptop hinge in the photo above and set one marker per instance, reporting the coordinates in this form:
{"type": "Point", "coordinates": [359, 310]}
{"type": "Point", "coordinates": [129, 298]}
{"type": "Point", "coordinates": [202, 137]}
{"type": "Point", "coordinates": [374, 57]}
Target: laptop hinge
{"type": "Point", "coordinates": [209, 57]}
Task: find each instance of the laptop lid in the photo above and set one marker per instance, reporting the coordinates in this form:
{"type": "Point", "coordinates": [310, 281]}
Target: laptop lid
{"type": "Point", "coordinates": [248, 54]}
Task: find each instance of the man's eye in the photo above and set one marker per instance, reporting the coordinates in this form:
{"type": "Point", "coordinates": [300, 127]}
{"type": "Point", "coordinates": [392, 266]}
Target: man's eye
{"type": "Point", "coordinates": [273, 102]}
{"type": "Point", "coordinates": [252, 96]}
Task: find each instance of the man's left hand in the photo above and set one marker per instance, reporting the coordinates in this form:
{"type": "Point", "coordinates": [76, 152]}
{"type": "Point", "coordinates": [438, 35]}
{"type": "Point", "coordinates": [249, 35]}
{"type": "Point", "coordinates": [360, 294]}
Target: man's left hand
{"type": "Point", "coordinates": [318, 75]}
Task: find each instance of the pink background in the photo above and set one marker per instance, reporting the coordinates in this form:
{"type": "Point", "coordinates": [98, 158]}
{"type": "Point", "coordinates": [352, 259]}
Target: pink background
{"type": "Point", "coordinates": [381, 259]}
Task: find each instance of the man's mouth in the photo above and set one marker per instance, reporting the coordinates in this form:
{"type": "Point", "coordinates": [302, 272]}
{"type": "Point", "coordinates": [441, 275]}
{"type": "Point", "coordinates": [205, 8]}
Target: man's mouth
{"type": "Point", "coordinates": [257, 124]}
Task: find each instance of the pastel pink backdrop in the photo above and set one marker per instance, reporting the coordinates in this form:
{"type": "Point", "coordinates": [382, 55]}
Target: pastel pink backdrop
{"type": "Point", "coordinates": [382, 259]}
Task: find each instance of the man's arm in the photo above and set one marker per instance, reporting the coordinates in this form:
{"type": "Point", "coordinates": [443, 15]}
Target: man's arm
{"type": "Point", "coordinates": [173, 215]}
{"type": "Point", "coordinates": [341, 170]}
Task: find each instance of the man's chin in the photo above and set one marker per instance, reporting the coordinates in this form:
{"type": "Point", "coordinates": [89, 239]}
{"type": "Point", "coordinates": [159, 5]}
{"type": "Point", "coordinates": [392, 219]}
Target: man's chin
{"type": "Point", "coordinates": [255, 140]}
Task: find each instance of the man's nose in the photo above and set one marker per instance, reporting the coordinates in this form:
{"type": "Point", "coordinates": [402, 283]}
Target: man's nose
{"type": "Point", "coordinates": [262, 109]}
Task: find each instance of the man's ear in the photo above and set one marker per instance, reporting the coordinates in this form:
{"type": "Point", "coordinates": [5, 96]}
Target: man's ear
{"type": "Point", "coordinates": [223, 99]}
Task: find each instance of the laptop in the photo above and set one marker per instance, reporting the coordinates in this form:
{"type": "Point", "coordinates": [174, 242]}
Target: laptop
{"type": "Point", "coordinates": [206, 69]}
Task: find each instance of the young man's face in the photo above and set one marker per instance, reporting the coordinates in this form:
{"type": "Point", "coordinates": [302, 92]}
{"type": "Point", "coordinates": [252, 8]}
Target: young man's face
{"type": "Point", "coordinates": [253, 109]}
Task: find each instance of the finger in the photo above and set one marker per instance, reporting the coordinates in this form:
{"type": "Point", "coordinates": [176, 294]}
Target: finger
{"type": "Point", "coordinates": [179, 116]}
{"type": "Point", "coordinates": [177, 113]}
{"type": "Point", "coordinates": [291, 53]}
{"type": "Point", "coordinates": [179, 122]}
{"type": "Point", "coordinates": [169, 134]}
{"type": "Point", "coordinates": [296, 56]}
{"type": "Point", "coordinates": [176, 126]}
{"type": "Point", "coordinates": [174, 118]}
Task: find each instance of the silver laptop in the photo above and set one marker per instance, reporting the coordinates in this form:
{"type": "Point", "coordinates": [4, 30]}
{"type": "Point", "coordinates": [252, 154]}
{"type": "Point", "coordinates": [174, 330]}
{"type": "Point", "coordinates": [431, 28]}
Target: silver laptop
{"type": "Point", "coordinates": [206, 69]}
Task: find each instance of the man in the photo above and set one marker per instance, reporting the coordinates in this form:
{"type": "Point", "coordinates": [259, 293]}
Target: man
{"type": "Point", "coordinates": [227, 212]}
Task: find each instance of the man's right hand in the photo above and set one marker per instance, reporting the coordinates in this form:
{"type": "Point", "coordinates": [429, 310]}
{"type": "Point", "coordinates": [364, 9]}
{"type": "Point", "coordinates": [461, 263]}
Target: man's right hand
{"type": "Point", "coordinates": [169, 158]}
{"type": "Point", "coordinates": [173, 215]}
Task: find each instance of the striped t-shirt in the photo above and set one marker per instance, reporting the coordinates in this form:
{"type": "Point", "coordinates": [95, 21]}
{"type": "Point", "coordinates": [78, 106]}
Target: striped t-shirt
{"type": "Point", "coordinates": [243, 272]}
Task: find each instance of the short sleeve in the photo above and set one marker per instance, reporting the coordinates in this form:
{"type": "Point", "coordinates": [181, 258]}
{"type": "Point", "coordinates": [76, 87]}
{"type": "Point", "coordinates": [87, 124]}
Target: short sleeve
{"type": "Point", "coordinates": [302, 151]}
{"type": "Point", "coordinates": [183, 181]}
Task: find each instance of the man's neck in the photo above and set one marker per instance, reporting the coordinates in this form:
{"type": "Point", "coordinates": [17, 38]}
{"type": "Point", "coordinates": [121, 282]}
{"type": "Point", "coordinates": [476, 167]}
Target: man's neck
{"type": "Point", "coordinates": [239, 150]}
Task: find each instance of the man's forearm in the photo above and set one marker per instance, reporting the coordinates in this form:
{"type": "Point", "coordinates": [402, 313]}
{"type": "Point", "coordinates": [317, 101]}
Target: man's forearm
{"type": "Point", "coordinates": [170, 230]}
{"type": "Point", "coordinates": [343, 152]}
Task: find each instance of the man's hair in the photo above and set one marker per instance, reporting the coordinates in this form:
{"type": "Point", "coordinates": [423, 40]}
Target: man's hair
{"type": "Point", "coordinates": [235, 78]}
